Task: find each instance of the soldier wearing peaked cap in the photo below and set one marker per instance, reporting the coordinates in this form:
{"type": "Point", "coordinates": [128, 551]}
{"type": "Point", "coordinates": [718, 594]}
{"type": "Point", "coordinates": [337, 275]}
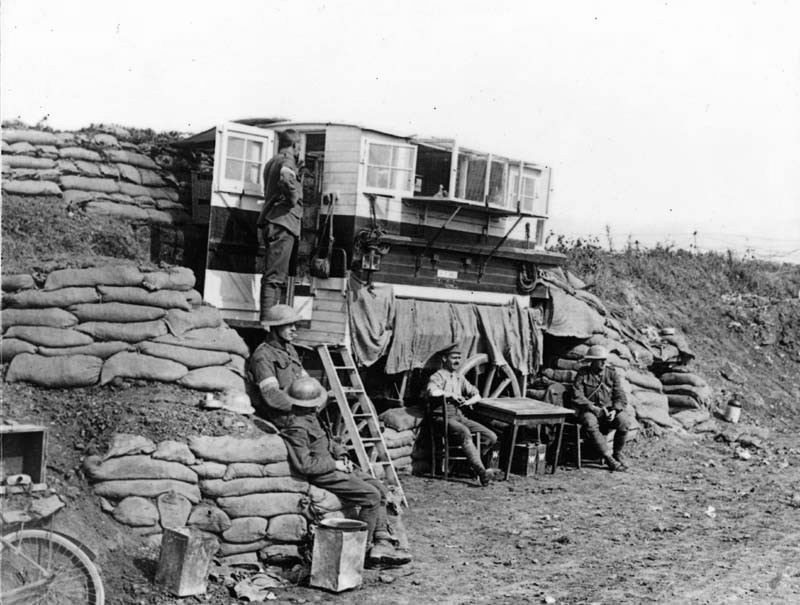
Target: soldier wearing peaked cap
{"type": "Point", "coordinates": [447, 387]}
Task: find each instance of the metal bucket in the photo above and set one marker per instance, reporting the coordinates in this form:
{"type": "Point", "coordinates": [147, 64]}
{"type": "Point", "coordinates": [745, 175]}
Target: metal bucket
{"type": "Point", "coordinates": [338, 556]}
{"type": "Point", "coordinates": [733, 411]}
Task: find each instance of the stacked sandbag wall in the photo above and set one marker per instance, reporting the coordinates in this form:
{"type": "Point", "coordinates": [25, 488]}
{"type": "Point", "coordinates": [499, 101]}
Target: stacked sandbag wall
{"type": "Point", "coordinates": [401, 429]}
{"type": "Point", "coordinates": [92, 326]}
{"type": "Point", "coordinates": [240, 489]}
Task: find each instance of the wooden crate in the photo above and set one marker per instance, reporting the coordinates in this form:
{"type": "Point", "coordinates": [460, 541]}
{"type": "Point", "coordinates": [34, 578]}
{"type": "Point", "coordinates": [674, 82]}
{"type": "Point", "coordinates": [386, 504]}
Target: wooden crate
{"type": "Point", "coordinates": [23, 451]}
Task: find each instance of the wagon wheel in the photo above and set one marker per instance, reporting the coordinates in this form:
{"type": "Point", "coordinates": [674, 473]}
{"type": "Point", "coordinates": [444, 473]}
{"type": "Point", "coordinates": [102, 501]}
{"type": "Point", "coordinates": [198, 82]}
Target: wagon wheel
{"type": "Point", "coordinates": [492, 380]}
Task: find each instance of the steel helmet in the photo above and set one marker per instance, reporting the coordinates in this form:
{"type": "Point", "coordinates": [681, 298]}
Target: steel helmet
{"type": "Point", "coordinates": [306, 392]}
{"type": "Point", "coordinates": [596, 352]}
{"type": "Point", "coordinates": [280, 315]}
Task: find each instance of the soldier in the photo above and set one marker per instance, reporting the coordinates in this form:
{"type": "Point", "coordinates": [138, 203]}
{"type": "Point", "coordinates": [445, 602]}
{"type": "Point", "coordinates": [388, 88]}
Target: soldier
{"type": "Point", "coordinates": [456, 391]}
{"type": "Point", "coordinates": [601, 405]}
{"type": "Point", "coordinates": [325, 464]}
{"type": "Point", "coordinates": [275, 365]}
{"type": "Point", "coordinates": [281, 216]}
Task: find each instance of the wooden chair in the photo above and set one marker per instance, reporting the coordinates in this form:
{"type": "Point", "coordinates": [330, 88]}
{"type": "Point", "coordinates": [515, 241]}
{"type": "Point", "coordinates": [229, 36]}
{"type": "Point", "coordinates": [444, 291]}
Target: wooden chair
{"type": "Point", "coordinates": [572, 441]}
{"type": "Point", "coordinates": [441, 448]}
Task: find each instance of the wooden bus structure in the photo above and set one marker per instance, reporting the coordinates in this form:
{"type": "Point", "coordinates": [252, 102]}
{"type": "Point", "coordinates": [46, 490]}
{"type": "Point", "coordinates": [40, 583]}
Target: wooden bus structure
{"type": "Point", "coordinates": [436, 220]}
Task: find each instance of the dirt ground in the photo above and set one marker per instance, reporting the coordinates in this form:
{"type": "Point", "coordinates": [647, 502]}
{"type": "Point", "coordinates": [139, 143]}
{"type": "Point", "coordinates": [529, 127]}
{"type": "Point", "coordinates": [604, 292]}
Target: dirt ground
{"type": "Point", "coordinates": [578, 536]}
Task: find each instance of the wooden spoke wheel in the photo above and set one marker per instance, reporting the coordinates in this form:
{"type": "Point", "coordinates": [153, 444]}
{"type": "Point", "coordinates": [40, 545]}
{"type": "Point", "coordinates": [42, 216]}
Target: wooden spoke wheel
{"type": "Point", "coordinates": [492, 381]}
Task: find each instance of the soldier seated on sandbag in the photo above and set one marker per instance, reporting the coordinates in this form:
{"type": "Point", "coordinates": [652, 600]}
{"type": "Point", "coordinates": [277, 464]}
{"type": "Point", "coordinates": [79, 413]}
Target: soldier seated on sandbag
{"type": "Point", "coordinates": [325, 464]}
{"type": "Point", "coordinates": [275, 365]}
{"type": "Point", "coordinates": [601, 405]}
{"type": "Point", "coordinates": [447, 387]}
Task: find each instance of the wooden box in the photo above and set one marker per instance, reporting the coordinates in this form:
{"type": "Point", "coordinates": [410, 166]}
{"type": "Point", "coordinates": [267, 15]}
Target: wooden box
{"type": "Point", "coordinates": [529, 459]}
{"type": "Point", "coordinates": [23, 451]}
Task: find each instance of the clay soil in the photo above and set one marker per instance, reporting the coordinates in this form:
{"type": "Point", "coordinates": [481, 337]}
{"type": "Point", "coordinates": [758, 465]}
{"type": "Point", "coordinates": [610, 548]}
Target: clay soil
{"type": "Point", "coordinates": [578, 536]}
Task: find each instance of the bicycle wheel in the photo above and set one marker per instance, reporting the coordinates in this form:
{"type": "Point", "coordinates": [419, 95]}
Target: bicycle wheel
{"type": "Point", "coordinates": [45, 568]}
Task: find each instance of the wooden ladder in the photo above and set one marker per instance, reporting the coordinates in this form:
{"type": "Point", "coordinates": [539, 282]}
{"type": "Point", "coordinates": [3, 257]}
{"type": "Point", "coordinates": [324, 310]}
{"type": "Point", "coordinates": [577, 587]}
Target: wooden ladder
{"type": "Point", "coordinates": [358, 414]}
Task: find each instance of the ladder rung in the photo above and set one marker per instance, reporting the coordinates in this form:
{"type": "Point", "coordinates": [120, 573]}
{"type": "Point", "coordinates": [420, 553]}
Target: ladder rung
{"type": "Point", "coordinates": [362, 415]}
{"type": "Point", "coordinates": [345, 368]}
{"type": "Point", "coordinates": [370, 439]}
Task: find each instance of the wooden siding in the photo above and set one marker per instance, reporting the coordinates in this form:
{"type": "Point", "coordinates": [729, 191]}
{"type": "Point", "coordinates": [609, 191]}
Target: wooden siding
{"type": "Point", "coordinates": [342, 163]}
{"type": "Point", "coordinates": [329, 319]}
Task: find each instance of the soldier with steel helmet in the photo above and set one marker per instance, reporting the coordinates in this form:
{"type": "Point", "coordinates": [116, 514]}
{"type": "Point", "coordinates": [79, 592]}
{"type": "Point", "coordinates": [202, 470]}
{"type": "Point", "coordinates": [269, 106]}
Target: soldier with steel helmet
{"type": "Point", "coordinates": [601, 405]}
{"type": "Point", "coordinates": [324, 463]}
{"type": "Point", "coordinates": [275, 365]}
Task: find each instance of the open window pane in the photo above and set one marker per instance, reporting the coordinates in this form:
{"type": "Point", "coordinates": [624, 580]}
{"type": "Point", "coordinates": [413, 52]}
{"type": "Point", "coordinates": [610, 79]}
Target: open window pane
{"type": "Point", "coordinates": [471, 177]}
{"type": "Point", "coordinates": [497, 184]}
{"type": "Point", "coordinates": [254, 151]}
{"type": "Point", "coordinates": [403, 156]}
{"type": "Point", "coordinates": [401, 180]}
{"type": "Point", "coordinates": [236, 148]}
{"type": "Point", "coordinates": [233, 169]}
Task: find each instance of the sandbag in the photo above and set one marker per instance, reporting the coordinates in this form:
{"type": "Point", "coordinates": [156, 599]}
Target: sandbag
{"type": "Point", "coordinates": [642, 355]}
{"type": "Point", "coordinates": [216, 488]}
{"type": "Point", "coordinates": [49, 337]}
{"type": "Point", "coordinates": [209, 470]}
{"type": "Point", "coordinates": [651, 406]}
{"type": "Point", "coordinates": [565, 376]}
{"type": "Point", "coordinates": [280, 554]}
{"type": "Point", "coordinates": [402, 419]}
{"type": "Point", "coordinates": [642, 379]}
{"type": "Point", "coordinates": [174, 509]}
{"type": "Point", "coordinates": [246, 529]}
{"type": "Point", "coordinates": [133, 189]}
{"type": "Point", "coordinates": [129, 157]}
{"type": "Point", "coordinates": [34, 137]}
{"type": "Point", "coordinates": [702, 394]}
{"type": "Point", "coordinates": [174, 451]}
{"type": "Point", "coordinates": [19, 281]}
{"type": "Point", "coordinates": [323, 501]}
{"type": "Point", "coordinates": [87, 168]}
{"type": "Point", "coordinates": [689, 418]}
{"type": "Point", "coordinates": [134, 365]}
{"type": "Point", "coordinates": [212, 339]}
{"type": "Point", "coordinates": [151, 179]}
{"type": "Point", "coordinates": [73, 197]}
{"type": "Point", "coordinates": [611, 345]}
{"type": "Point", "coordinates": [129, 173]}
{"type": "Point", "coordinates": [209, 518]}
{"type": "Point", "coordinates": [21, 148]}
{"type": "Point", "coordinates": [394, 438]}
{"type": "Point", "coordinates": [138, 466]}
{"type": "Point", "coordinates": [84, 183]}
{"type": "Point", "coordinates": [227, 549]}
{"type": "Point", "coordinates": [204, 316]}
{"type": "Point", "coordinates": [53, 317]}
{"type": "Point", "coordinates": [577, 352]}
{"type": "Point", "coordinates": [242, 470]}
{"type": "Point", "coordinates": [176, 278]}
{"type": "Point", "coordinates": [55, 372]}
{"type": "Point", "coordinates": [166, 299]}
{"type": "Point", "coordinates": [147, 488]}
{"type": "Point", "coordinates": [681, 378]}
{"type": "Point", "coordinates": [117, 312]}
{"type": "Point", "coordinates": [110, 275]}
{"type": "Point", "coordinates": [127, 444]}
{"type": "Point", "coordinates": [127, 332]}
{"type": "Point", "coordinates": [136, 512]}
{"type": "Point", "coordinates": [58, 298]}
{"type": "Point", "coordinates": [400, 452]}
{"type": "Point", "coordinates": [194, 298]}
{"type": "Point", "coordinates": [191, 358]}
{"type": "Point", "coordinates": [214, 378]}
{"type": "Point", "coordinates": [569, 364]}
{"type": "Point", "coordinates": [618, 362]}
{"type": "Point", "coordinates": [168, 217]}
{"type": "Point", "coordinates": [287, 528]}
{"type": "Point", "coordinates": [237, 365]}
{"type": "Point", "coordinates": [103, 350]}
{"type": "Point", "coordinates": [11, 347]}
{"type": "Point", "coordinates": [125, 211]}
{"type": "Point", "coordinates": [79, 153]}
{"type": "Point", "coordinates": [403, 463]}
{"type": "Point", "coordinates": [262, 505]}
{"type": "Point", "coordinates": [24, 161]}
{"type": "Point", "coordinates": [682, 402]}
{"type": "Point", "coordinates": [263, 449]}
{"type": "Point", "coordinates": [31, 187]}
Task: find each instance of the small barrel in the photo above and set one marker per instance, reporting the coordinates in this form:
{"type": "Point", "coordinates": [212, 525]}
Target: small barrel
{"type": "Point", "coordinates": [338, 556]}
{"type": "Point", "coordinates": [733, 411]}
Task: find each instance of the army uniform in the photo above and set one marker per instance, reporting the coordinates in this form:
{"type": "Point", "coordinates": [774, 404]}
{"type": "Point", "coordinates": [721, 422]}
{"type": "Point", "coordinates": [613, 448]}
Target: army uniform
{"type": "Point", "coordinates": [279, 221]}
{"type": "Point", "coordinates": [275, 364]}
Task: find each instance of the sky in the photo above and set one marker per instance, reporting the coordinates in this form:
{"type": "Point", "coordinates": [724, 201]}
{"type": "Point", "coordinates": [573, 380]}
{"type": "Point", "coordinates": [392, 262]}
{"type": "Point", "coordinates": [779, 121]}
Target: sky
{"type": "Point", "coordinates": [658, 119]}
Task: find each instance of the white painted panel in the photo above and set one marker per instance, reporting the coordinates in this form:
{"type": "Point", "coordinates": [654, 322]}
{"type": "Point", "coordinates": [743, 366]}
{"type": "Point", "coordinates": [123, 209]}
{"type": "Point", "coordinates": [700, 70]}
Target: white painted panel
{"type": "Point", "coordinates": [233, 291]}
{"type": "Point", "coordinates": [451, 295]}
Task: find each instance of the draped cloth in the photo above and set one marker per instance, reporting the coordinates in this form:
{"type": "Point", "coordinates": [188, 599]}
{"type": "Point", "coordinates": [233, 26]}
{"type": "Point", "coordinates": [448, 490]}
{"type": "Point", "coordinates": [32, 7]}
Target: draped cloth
{"type": "Point", "coordinates": [372, 319]}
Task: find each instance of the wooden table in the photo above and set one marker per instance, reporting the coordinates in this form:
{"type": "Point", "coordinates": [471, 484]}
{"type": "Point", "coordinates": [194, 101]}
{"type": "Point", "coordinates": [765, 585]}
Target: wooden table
{"type": "Point", "coordinates": [522, 411]}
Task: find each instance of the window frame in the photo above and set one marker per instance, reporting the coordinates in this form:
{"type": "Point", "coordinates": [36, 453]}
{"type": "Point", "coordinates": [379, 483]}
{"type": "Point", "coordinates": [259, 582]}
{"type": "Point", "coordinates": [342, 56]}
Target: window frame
{"type": "Point", "coordinates": [264, 137]}
{"type": "Point", "coordinates": [411, 170]}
